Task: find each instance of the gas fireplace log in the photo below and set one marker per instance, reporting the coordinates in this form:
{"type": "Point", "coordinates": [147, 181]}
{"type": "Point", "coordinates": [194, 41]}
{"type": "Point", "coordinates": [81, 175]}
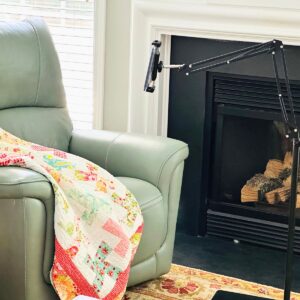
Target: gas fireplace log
{"type": "Point", "coordinates": [281, 194]}
{"type": "Point", "coordinates": [271, 197]}
{"type": "Point", "coordinates": [287, 183]}
{"type": "Point", "coordinates": [249, 194]}
{"type": "Point", "coordinates": [274, 168]}
{"type": "Point", "coordinates": [285, 174]}
{"type": "Point", "coordinates": [288, 158]}
{"type": "Point", "coordinates": [274, 185]}
{"type": "Point", "coordinates": [257, 186]}
{"type": "Point", "coordinates": [298, 201]}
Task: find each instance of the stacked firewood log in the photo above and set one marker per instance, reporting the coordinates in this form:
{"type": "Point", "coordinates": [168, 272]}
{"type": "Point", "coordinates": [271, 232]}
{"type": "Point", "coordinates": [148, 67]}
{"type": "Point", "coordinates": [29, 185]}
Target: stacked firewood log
{"type": "Point", "coordinates": [274, 185]}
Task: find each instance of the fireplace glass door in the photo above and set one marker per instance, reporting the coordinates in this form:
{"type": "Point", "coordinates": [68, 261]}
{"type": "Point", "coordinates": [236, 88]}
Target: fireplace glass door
{"type": "Point", "coordinates": [250, 162]}
{"type": "Point", "coordinates": [251, 165]}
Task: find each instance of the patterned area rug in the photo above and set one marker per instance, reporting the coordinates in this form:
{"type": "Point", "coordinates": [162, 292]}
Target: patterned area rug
{"type": "Point", "coordinates": [187, 283]}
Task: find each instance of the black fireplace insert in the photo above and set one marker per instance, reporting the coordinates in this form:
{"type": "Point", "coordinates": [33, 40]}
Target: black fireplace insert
{"type": "Point", "coordinates": [246, 133]}
{"type": "Point", "coordinates": [232, 123]}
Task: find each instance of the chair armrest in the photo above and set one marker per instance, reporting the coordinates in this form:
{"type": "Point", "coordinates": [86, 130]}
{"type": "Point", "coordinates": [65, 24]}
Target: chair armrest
{"type": "Point", "coordinates": [157, 160]}
{"type": "Point", "coordinates": [16, 183]}
{"type": "Point", "coordinates": [149, 158]}
{"type": "Point", "coordinates": [27, 210]}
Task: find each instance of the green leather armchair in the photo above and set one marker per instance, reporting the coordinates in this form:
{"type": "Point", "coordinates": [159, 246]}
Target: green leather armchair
{"type": "Point", "coordinates": [33, 107]}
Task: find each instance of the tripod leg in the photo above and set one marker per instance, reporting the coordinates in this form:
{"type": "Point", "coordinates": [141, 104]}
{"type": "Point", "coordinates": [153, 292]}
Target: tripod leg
{"type": "Point", "coordinates": [280, 97]}
{"type": "Point", "coordinates": [288, 87]}
{"type": "Point", "coordinates": [291, 228]}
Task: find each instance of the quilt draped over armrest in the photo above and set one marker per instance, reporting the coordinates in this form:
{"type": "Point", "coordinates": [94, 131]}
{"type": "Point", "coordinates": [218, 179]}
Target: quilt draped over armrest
{"type": "Point", "coordinates": [97, 221]}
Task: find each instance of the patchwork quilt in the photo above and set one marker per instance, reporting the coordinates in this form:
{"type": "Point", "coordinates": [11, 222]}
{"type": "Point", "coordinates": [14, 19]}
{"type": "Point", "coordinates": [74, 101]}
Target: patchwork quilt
{"type": "Point", "coordinates": [97, 221]}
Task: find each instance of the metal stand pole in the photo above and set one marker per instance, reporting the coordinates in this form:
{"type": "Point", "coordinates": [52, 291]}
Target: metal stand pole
{"type": "Point", "coordinates": [291, 230]}
{"type": "Point", "coordinates": [270, 47]}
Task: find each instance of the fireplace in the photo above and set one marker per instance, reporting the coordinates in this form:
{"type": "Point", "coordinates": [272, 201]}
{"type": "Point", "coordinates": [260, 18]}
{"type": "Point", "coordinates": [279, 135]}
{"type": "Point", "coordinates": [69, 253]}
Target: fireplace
{"type": "Point", "coordinates": [247, 133]}
{"type": "Point", "coordinates": [232, 122]}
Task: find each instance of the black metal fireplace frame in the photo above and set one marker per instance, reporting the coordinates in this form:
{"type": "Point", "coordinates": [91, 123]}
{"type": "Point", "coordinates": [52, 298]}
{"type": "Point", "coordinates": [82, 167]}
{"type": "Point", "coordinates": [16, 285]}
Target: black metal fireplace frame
{"type": "Point", "coordinates": [208, 207]}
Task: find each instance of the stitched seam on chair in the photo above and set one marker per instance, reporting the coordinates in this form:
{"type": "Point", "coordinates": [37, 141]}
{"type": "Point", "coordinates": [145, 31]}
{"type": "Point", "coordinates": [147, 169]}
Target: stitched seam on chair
{"type": "Point", "coordinates": [168, 219]}
{"type": "Point", "coordinates": [24, 235]}
{"type": "Point", "coordinates": [108, 149]}
{"type": "Point", "coordinates": [150, 203]}
{"type": "Point", "coordinates": [39, 72]}
{"type": "Point", "coordinates": [25, 248]}
{"type": "Point", "coordinates": [155, 255]}
{"type": "Point", "coordinates": [46, 234]}
{"type": "Point", "coordinates": [25, 182]}
{"type": "Point", "coordinates": [165, 162]}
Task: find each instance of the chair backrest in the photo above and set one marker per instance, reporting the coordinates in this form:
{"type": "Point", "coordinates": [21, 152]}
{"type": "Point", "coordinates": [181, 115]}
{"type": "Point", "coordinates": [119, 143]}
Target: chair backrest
{"type": "Point", "coordinates": [32, 96]}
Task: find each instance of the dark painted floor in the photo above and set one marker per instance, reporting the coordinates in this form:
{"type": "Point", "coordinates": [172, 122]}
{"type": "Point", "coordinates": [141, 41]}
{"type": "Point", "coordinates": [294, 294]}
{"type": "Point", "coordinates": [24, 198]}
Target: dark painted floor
{"type": "Point", "coordinates": [253, 263]}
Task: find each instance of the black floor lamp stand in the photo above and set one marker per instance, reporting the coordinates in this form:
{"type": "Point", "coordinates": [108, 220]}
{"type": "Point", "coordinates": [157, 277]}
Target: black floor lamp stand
{"type": "Point", "coordinates": [276, 49]}
{"type": "Point", "coordinates": [291, 228]}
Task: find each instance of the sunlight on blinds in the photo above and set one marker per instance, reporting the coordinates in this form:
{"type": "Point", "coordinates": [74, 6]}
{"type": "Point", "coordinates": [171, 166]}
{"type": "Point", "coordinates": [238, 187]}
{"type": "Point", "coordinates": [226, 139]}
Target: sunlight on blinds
{"type": "Point", "coordinates": [71, 26]}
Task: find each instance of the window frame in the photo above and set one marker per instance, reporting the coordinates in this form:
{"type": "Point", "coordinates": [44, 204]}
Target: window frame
{"type": "Point", "coordinates": [99, 63]}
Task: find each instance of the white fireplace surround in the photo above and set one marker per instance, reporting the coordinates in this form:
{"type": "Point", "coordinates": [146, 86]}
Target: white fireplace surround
{"type": "Point", "coordinates": [216, 19]}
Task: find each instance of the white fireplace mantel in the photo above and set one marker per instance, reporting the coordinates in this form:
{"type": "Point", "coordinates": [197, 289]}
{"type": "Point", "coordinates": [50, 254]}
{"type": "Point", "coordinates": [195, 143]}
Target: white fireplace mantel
{"type": "Point", "coordinates": [215, 19]}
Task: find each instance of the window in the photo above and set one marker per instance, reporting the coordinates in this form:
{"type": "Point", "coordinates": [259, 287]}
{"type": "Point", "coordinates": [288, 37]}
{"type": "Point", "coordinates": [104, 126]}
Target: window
{"type": "Point", "coordinates": [71, 25]}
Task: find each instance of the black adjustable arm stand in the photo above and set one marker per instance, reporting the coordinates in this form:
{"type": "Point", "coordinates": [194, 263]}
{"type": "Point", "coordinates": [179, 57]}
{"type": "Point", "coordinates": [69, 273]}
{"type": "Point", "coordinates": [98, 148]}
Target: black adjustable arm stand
{"type": "Point", "coordinates": [276, 49]}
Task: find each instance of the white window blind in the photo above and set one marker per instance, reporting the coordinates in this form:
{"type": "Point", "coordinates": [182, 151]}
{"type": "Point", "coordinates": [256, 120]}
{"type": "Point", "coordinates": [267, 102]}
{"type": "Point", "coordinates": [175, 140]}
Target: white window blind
{"type": "Point", "coordinates": [71, 25]}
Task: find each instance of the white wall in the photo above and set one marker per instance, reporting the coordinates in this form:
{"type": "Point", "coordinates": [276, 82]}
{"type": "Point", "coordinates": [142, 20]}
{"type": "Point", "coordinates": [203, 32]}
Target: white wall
{"type": "Point", "coordinates": [116, 65]}
{"type": "Point", "coordinates": [131, 25]}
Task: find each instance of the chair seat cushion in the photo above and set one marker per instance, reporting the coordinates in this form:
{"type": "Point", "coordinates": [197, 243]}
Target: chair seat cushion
{"type": "Point", "coordinates": [155, 223]}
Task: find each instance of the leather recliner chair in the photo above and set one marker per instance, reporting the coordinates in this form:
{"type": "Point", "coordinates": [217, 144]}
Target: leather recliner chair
{"type": "Point", "coordinates": [33, 107]}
